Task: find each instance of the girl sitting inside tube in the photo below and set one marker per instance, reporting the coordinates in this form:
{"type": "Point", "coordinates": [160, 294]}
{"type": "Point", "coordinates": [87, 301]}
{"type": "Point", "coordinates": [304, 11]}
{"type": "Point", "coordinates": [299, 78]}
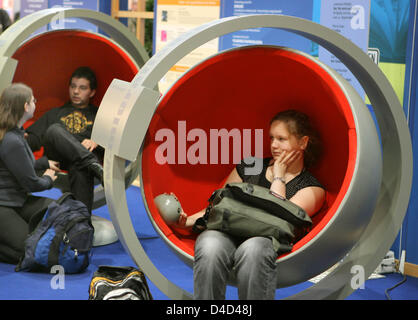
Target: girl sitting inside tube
{"type": "Point", "coordinates": [294, 146]}
{"type": "Point", "coordinates": [17, 172]}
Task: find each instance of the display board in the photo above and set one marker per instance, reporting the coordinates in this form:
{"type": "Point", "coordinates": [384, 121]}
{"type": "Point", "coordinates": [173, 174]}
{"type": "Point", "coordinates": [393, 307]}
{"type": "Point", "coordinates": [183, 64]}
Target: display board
{"type": "Point", "coordinates": [266, 35]}
{"type": "Point", "coordinates": [30, 6]}
{"type": "Point", "coordinates": [75, 23]}
{"type": "Point", "coordinates": [352, 20]}
{"type": "Point", "coordinates": [174, 17]}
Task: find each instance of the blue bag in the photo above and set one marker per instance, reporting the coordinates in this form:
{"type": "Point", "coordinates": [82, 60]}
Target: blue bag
{"type": "Point", "coordinates": [63, 237]}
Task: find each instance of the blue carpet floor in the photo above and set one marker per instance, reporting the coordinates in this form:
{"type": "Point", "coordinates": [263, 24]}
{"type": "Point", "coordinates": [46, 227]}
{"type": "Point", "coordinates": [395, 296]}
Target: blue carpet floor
{"type": "Point", "coordinates": [37, 286]}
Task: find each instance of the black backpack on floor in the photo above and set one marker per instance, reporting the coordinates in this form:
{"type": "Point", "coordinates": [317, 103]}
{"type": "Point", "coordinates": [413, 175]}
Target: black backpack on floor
{"type": "Point", "coordinates": [63, 236]}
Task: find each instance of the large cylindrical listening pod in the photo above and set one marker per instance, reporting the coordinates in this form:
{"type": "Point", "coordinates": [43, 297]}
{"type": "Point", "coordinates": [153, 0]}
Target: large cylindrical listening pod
{"type": "Point", "coordinates": [361, 221]}
{"type": "Point", "coordinates": [243, 89]}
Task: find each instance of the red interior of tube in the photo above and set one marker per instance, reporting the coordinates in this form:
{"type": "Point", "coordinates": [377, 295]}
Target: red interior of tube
{"type": "Point", "coordinates": [244, 89]}
{"type": "Point", "coordinates": [46, 62]}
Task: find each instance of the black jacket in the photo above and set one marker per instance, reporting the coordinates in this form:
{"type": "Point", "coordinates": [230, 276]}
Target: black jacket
{"type": "Point", "coordinates": [17, 170]}
{"type": "Point", "coordinates": [79, 122]}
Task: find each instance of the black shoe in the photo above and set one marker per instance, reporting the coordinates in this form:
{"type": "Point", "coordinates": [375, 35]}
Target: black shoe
{"type": "Point", "coordinates": [96, 170]}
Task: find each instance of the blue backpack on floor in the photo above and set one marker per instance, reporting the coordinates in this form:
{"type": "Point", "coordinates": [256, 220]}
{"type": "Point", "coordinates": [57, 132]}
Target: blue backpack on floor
{"type": "Point", "coordinates": [63, 237]}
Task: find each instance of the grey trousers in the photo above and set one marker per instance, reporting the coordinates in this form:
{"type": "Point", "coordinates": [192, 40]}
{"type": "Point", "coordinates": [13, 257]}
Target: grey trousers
{"type": "Point", "coordinates": [253, 261]}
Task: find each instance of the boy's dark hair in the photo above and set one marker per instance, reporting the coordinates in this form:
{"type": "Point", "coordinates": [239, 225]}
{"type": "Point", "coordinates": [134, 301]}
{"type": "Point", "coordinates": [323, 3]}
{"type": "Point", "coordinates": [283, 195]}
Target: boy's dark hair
{"type": "Point", "coordinates": [87, 73]}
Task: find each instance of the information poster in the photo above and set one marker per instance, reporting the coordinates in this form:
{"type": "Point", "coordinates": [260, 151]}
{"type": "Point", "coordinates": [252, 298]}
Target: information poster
{"type": "Point", "coordinates": [30, 6]}
{"type": "Point", "coordinates": [260, 36]}
{"type": "Point", "coordinates": [352, 20]}
{"type": "Point", "coordinates": [173, 18]}
{"type": "Point", "coordinates": [74, 23]}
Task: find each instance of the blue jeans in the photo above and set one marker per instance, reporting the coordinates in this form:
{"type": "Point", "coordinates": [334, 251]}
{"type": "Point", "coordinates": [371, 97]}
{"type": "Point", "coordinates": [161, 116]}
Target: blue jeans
{"type": "Point", "coordinates": [253, 262]}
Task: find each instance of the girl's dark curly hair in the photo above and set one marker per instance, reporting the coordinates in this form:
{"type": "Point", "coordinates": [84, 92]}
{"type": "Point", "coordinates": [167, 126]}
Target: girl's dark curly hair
{"type": "Point", "coordinates": [299, 124]}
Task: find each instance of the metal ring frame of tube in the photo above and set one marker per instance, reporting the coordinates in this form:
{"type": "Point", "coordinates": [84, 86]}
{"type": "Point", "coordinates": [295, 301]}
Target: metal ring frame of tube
{"type": "Point", "coordinates": [19, 32]}
{"type": "Point", "coordinates": [328, 246]}
{"type": "Point", "coordinates": [127, 109]}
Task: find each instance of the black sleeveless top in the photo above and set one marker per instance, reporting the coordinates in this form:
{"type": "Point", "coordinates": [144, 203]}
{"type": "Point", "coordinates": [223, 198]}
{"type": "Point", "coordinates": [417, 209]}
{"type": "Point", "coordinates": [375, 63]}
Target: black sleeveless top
{"type": "Point", "coordinates": [303, 180]}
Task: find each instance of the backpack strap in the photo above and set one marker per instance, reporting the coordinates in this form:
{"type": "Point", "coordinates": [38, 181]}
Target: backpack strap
{"type": "Point", "coordinates": [37, 217]}
{"type": "Point", "coordinates": [263, 198]}
{"type": "Point", "coordinates": [54, 251]}
{"type": "Point", "coordinates": [64, 196]}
